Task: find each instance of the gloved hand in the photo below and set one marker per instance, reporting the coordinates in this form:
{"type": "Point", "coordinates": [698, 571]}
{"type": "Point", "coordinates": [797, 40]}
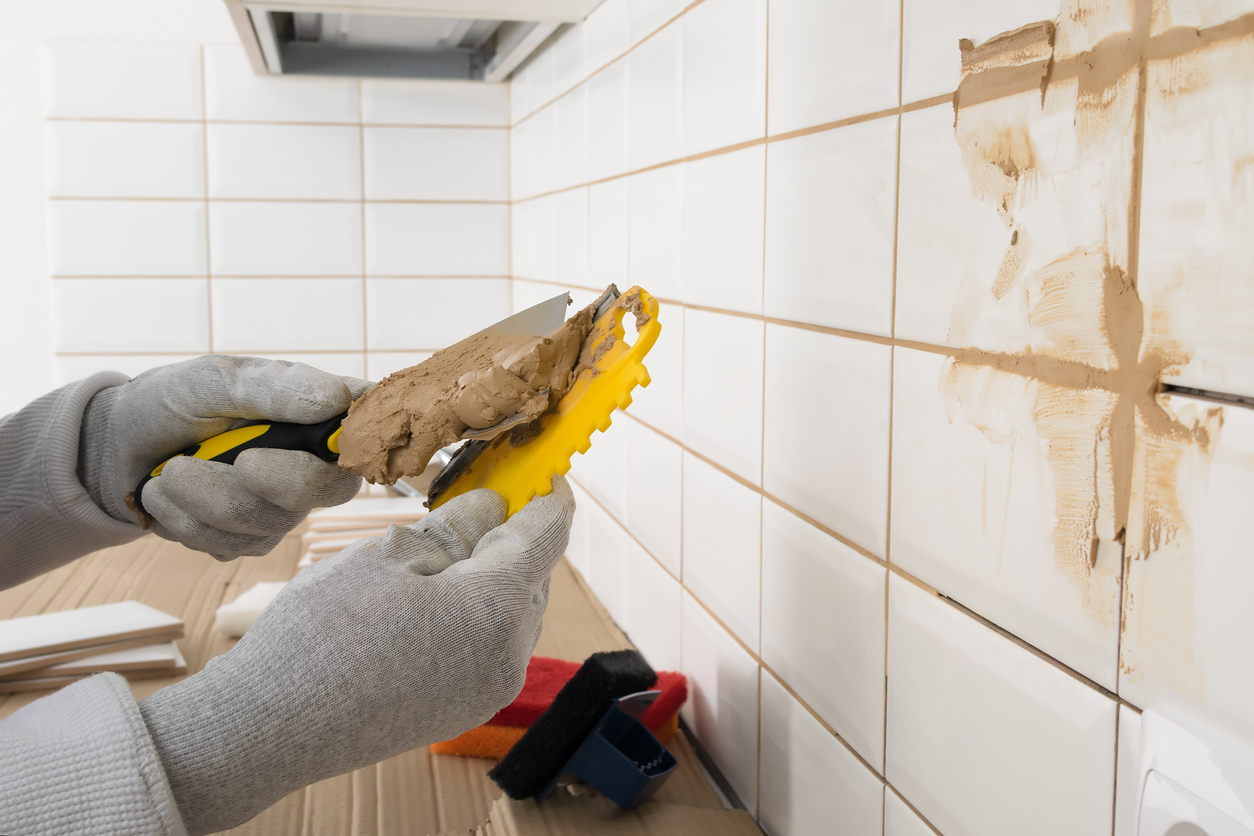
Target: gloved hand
{"type": "Point", "coordinates": [396, 642]}
{"type": "Point", "coordinates": [225, 510]}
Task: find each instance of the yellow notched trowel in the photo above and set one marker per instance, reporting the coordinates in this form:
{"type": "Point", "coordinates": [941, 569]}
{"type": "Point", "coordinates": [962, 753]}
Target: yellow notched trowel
{"type": "Point", "coordinates": [518, 464]}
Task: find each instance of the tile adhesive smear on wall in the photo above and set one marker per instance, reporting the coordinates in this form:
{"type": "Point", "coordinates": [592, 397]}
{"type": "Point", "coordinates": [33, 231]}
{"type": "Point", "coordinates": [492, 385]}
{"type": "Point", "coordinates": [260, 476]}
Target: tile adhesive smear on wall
{"type": "Point", "coordinates": [1068, 360]}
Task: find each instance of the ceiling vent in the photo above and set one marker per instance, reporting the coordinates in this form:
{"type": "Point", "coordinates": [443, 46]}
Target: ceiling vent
{"type": "Point", "coordinates": [475, 40]}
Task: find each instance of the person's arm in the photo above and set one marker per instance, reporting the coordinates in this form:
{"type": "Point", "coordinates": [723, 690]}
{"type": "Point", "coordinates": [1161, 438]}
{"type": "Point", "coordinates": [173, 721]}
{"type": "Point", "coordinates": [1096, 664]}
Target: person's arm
{"type": "Point", "coordinates": [397, 642]}
{"type": "Point", "coordinates": [68, 461]}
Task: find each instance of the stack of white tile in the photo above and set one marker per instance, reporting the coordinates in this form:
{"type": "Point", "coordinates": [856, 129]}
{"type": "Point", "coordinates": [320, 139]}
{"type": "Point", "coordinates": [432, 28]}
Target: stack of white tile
{"type": "Point", "coordinates": [332, 529]}
{"type": "Point", "coordinates": [54, 649]}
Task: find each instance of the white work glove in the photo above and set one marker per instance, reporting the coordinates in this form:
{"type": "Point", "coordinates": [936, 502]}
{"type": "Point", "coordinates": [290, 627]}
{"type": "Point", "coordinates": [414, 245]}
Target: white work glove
{"type": "Point", "coordinates": [224, 510]}
{"type": "Point", "coordinates": [396, 642]}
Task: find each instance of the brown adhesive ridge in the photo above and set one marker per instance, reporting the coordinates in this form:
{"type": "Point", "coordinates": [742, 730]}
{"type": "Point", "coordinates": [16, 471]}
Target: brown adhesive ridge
{"type": "Point", "coordinates": [477, 388]}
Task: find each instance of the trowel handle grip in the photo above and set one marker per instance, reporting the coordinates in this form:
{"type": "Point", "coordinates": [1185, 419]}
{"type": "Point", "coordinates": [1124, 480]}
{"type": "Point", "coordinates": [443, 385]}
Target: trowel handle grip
{"type": "Point", "coordinates": [322, 440]}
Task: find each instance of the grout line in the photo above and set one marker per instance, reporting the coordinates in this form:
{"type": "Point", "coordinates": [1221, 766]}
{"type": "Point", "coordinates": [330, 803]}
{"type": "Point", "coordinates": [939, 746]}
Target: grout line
{"type": "Point", "coordinates": [204, 150]}
{"type": "Point", "coordinates": [242, 352]}
{"type": "Point", "coordinates": [206, 199]}
{"type": "Point", "coordinates": [285, 277]}
{"type": "Point", "coordinates": [272, 124]}
{"type": "Point", "coordinates": [365, 287]}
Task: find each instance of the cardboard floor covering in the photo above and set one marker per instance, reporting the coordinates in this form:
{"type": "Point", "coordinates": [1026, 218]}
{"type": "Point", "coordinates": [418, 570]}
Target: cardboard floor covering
{"type": "Point", "coordinates": [414, 794]}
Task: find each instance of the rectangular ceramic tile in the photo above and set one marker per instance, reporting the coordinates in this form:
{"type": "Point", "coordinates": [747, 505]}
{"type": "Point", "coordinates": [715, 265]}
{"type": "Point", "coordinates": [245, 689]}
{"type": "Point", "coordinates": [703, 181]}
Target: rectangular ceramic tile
{"type": "Point", "coordinates": [605, 568]}
{"type": "Point", "coordinates": [111, 316]}
{"type": "Point", "coordinates": [810, 781]}
{"type": "Point", "coordinates": [826, 430]}
{"type": "Point", "coordinates": [318, 315]}
{"type": "Point", "coordinates": [900, 820]}
{"type": "Point", "coordinates": [823, 627]}
{"type": "Point", "coordinates": [437, 239]}
{"type": "Point", "coordinates": [607, 122]}
{"type": "Point", "coordinates": [426, 314]}
{"type": "Point", "coordinates": [285, 161]}
{"type": "Point", "coordinates": [814, 79]}
{"type": "Point", "coordinates": [436, 164]}
{"type": "Point", "coordinates": [984, 737]}
{"type": "Point", "coordinates": [655, 494]}
{"type": "Point", "coordinates": [1186, 609]}
{"type": "Point", "coordinates": [520, 162]}
{"type": "Point", "coordinates": [661, 403]}
{"type": "Point", "coordinates": [947, 237]}
{"type": "Point", "coordinates": [285, 239]}
{"type": "Point", "coordinates": [653, 610]}
{"type": "Point", "coordinates": [606, 466]}
{"type": "Point", "coordinates": [126, 237]}
{"type": "Point", "coordinates": [111, 80]}
{"type": "Point", "coordinates": [1171, 14]}
{"type": "Point", "coordinates": [1195, 216]}
{"type": "Point", "coordinates": [520, 239]}
{"type": "Point", "coordinates": [543, 127]}
{"type": "Point", "coordinates": [571, 209]}
{"type": "Point", "coordinates": [124, 159]}
{"type": "Point", "coordinates": [429, 102]}
{"type": "Point", "coordinates": [542, 81]}
{"type": "Point", "coordinates": [234, 92]}
{"type": "Point", "coordinates": [1128, 765]}
{"type": "Point", "coordinates": [644, 16]}
{"type": "Point", "coordinates": [724, 214]}
{"type": "Point", "coordinates": [722, 707]}
{"type": "Point", "coordinates": [568, 58]}
{"type": "Point", "coordinates": [724, 74]}
{"type": "Point", "coordinates": [570, 129]}
{"type": "Point", "coordinates": [723, 361]}
{"type": "Point", "coordinates": [608, 224]}
{"type": "Point", "coordinates": [830, 211]}
{"type": "Point", "coordinates": [543, 224]}
{"type": "Point", "coordinates": [605, 32]}
{"type": "Point", "coordinates": [655, 99]}
{"type": "Point", "coordinates": [722, 546]}
{"type": "Point", "coordinates": [931, 62]}
{"type": "Point", "coordinates": [380, 364]}
{"type": "Point", "coordinates": [656, 237]}
{"type": "Point", "coordinates": [72, 367]}
{"type": "Point", "coordinates": [344, 363]}
{"type": "Point", "coordinates": [975, 511]}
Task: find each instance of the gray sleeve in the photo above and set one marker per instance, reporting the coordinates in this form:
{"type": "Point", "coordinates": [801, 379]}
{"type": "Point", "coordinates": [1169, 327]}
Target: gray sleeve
{"type": "Point", "coordinates": [81, 761]}
{"type": "Point", "coordinates": [47, 518]}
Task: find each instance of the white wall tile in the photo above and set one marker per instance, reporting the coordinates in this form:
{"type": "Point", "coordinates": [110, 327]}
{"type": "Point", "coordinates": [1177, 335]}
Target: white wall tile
{"type": "Point", "coordinates": [984, 738]}
{"type": "Point", "coordinates": [608, 225]}
{"type": "Point", "coordinates": [931, 63]}
{"type": "Point", "coordinates": [126, 237]}
{"type": "Point", "coordinates": [520, 239]}
{"type": "Point", "coordinates": [571, 209]}
{"type": "Point", "coordinates": [345, 363]}
{"type": "Point", "coordinates": [568, 58]}
{"type": "Point", "coordinates": [285, 239]}
{"type": "Point", "coordinates": [380, 364]}
{"type": "Point", "coordinates": [826, 430]}
{"type": "Point", "coordinates": [605, 31]}
{"type": "Point", "coordinates": [722, 707]}
{"type": "Point", "coordinates": [427, 314]}
{"type": "Point", "coordinates": [163, 316]}
{"type": "Point", "coordinates": [973, 516]}
{"type": "Point", "coordinates": [655, 98]}
{"type": "Point", "coordinates": [437, 240]}
{"type": "Point", "coordinates": [543, 224]}
{"type": "Point", "coordinates": [73, 367]}
{"type": "Point", "coordinates": [1128, 766]}
{"type": "Point", "coordinates": [285, 162]}
{"type": "Point", "coordinates": [900, 820]}
{"type": "Point", "coordinates": [543, 127]}
{"type": "Point", "coordinates": [318, 315]}
{"type": "Point", "coordinates": [722, 546]}
{"type": "Point", "coordinates": [821, 71]}
{"type": "Point", "coordinates": [234, 92]}
{"type": "Point", "coordinates": [570, 138]}
{"type": "Point", "coordinates": [436, 164]}
{"type": "Point", "coordinates": [724, 74]}
{"type": "Point", "coordinates": [823, 627]}
{"type": "Point", "coordinates": [427, 102]}
{"type": "Point", "coordinates": [723, 362]}
{"type": "Point", "coordinates": [810, 781]}
{"type": "Point", "coordinates": [653, 624]}
{"type": "Point", "coordinates": [724, 213]}
{"type": "Point", "coordinates": [520, 162]}
{"type": "Point", "coordinates": [830, 204]}
{"type": "Point", "coordinates": [647, 15]}
{"type": "Point", "coordinates": [948, 239]}
{"type": "Point", "coordinates": [607, 122]}
{"type": "Point", "coordinates": [109, 80]}
{"type": "Point", "coordinates": [605, 568]}
{"type": "Point", "coordinates": [607, 464]}
{"type": "Point", "coordinates": [543, 82]}
{"type": "Point", "coordinates": [124, 159]}
{"type": "Point", "coordinates": [661, 403]}
{"type": "Point", "coordinates": [656, 237]}
{"type": "Point", "coordinates": [655, 494]}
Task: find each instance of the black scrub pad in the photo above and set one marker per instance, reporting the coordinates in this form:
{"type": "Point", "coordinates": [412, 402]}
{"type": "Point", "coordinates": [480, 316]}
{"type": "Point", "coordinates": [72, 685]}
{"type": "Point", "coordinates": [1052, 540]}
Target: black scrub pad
{"type": "Point", "coordinates": [557, 733]}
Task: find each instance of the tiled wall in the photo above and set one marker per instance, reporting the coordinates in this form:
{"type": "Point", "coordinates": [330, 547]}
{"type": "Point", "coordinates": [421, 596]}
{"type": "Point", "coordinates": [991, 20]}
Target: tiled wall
{"type": "Point", "coordinates": [194, 207]}
{"type": "Point", "coordinates": [864, 568]}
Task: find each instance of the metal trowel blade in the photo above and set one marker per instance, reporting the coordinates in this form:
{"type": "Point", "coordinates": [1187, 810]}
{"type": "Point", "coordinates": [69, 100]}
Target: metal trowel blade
{"type": "Point", "coordinates": [536, 321]}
